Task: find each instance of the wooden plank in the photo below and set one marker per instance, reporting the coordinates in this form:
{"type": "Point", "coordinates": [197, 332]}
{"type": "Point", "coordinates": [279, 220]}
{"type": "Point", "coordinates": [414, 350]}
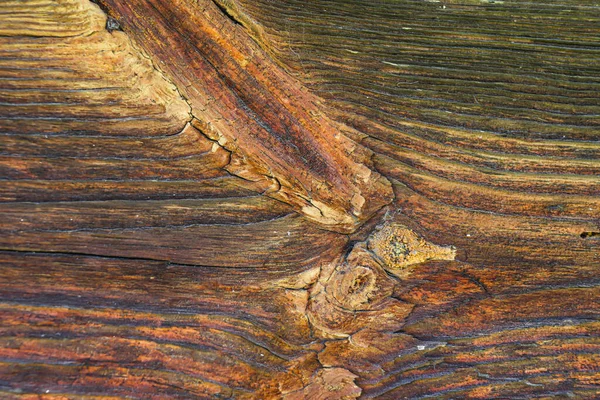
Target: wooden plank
{"type": "Point", "coordinates": [194, 199]}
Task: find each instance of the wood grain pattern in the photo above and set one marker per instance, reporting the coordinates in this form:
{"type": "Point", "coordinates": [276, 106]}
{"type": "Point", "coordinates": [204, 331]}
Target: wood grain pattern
{"type": "Point", "coordinates": [274, 128]}
{"type": "Point", "coordinates": [485, 117]}
{"type": "Point", "coordinates": [119, 228]}
{"type": "Point", "coordinates": [153, 241]}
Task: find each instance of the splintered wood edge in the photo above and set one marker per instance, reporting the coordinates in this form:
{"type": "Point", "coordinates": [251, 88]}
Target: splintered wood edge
{"type": "Point", "coordinates": [274, 127]}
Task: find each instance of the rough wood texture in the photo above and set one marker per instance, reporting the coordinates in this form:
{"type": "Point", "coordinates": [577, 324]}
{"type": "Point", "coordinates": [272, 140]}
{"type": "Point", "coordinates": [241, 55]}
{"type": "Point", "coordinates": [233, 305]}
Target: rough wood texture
{"type": "Point", "coordinates": [274, 128]}
{"type": "Point", "coordinates": [157, 238]}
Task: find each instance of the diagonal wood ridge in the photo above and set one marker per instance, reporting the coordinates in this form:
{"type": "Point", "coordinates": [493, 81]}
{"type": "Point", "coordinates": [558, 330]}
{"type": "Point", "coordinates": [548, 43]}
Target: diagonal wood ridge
{"type": "Point", "coordinates": [276, 130]}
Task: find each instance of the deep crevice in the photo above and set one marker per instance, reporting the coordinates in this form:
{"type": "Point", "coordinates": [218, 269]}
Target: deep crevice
{"type": "Point", "coordinates": [226, 12]}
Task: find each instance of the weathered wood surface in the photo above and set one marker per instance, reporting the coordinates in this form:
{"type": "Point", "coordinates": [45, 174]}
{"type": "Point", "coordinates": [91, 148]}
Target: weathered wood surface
{"type": "Point", "coordinates": [182, 197]}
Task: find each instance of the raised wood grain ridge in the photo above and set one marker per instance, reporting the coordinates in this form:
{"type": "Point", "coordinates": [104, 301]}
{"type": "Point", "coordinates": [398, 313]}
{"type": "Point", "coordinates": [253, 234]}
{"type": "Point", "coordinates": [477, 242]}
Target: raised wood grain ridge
{"type": "Point", "coordinates": [156, 167]}
{"type": "Point", "coordinates": [273, 126]}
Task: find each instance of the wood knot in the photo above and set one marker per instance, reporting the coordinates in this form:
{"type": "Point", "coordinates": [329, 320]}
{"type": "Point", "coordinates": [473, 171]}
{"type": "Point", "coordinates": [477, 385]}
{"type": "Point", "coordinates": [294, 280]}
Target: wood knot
{"type": "Point", "coordinates": [355, 288]}
{"type": "Point", "coordinates": [398, 247]}
{"type": "Point", "coordinates": [354, 295]}
{"type": "Point", "coordinates": [360, 283]}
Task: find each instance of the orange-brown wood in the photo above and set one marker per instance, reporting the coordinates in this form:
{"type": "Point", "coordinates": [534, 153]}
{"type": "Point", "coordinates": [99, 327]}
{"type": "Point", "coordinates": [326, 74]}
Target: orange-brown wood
{"type": "Point", "coordinates": [299, 200]}
{"type": "Point", "coordinates": [243, 100]}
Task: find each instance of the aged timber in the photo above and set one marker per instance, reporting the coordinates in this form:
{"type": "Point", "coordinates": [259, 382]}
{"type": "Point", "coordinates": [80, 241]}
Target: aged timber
{"type": "Point", "coordinates": [299, 199]}
{"type": "Point", "coordinates": [242, 99]}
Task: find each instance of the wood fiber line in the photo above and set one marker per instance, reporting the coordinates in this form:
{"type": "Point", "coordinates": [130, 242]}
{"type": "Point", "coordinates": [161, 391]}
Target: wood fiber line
{"type": "Point", "coordinates": [186, 144]}
{"type": "Point", "coordinates": [94, 190]}
{"type": "Point", "coordinates": [266, 244]}
{"type": "Point", "coordinates": [119, 214]}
